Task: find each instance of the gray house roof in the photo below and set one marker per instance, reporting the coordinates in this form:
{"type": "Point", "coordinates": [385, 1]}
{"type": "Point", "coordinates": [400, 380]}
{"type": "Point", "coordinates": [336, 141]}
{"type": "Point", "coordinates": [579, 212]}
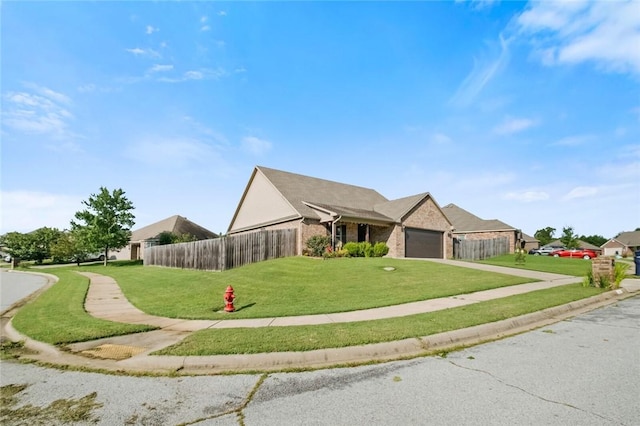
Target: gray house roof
{"type": "Point", "coordinates": [177, 224]}
{"type": "Point", "coordinates": [581, 244]}
{"type": "Point", "coordinates": [629, 239]}
{"type": "Point", "coordinates": [310, 197]}
{"type": "Point", "coordinates": [463, 221]}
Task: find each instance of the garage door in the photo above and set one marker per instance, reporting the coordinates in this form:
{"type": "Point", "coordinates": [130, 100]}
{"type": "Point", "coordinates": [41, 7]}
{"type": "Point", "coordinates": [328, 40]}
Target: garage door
{"type": "Point", "coordinates": [422, 243]}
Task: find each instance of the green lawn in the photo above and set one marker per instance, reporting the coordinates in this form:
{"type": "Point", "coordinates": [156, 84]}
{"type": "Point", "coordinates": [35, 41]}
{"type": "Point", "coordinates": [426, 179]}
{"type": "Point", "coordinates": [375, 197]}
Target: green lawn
{"type": "Point", "coordinates": [305, 338]}
{"type": "Point", "coordinates": [58, 315]}
{"type": "Point", "coordinates": [295, 286]}
{"type": "Point", "coordinates": [558, 265]}
{"type": "Point", "coordinates": [290, 286]}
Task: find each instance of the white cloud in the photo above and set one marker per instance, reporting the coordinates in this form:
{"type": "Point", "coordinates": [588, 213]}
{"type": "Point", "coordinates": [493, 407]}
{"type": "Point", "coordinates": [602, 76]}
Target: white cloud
{"type": "Point", "coordinates": [201, 74]}
{"type": "Point", "coordinates": [255, 146]}
{"type": "Point", "coordinates": [175, 152]}
{"type": "Point", "coordinates": [527, 196]}
{"type": "Point", "coordinates": [151, 30]}
{"type": "Point", "coordinates": [574, 140]}
{"type": "Point", "coordinates": [144, 52]}
{"type": "Point", "coordinates": [440, 139]}
{"type": "Point", "coordinates": [482, 73]}
{"type": "Point", "coordinates": [41, 113]}
{"type": "Point", "coordinates": [581, 192]}
{"type": "Point", "coordinates": [160, 68]}
{"type": "Point", "coordinates": [25, 211]}
{"type": "Point", "coordinates": [572, 32]}
{"type": "Point", "coordinates": [205, 28]}
{"type": "Point", "coordinates": [240, 69]}
{"type": "Point", "coordinates": [222, 13]}
{"type": "Point", "coordinates": [204, 19]}
{"type": "Point", "coordinates": [513, 125]}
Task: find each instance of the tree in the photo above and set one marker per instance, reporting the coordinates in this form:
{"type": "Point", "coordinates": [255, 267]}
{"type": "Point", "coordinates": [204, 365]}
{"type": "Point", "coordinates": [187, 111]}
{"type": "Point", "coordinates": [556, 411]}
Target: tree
{"type": "Point", "coordinates": [71, 246]}
{"type": "Point", "coordinates": [35, 245]}
{"type": "Point", "coordinates": [168, 237]}
{"type": "Point", "coordinates": [545, 235]}
{"type": "Point", "coordinates": [596, 240]}
{"type": "Point", "coordinates": [18, 245]}
{"type": "Point", "coordinates": [106, 222]}
{"type": "Point", "coordinates": [42, 241]}
{"type": "Point", "coordinates": [568, 238]}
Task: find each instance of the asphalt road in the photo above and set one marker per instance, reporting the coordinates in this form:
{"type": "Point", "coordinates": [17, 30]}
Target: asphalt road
{"type": "Point", "coordinates": [15, 286]}
{"type": "Point", "coordinates": [583, 371]}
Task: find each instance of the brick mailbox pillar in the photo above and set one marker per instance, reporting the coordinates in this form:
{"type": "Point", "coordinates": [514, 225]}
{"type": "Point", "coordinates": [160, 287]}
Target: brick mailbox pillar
{"type": "Point", "coordinates": [603, 269]}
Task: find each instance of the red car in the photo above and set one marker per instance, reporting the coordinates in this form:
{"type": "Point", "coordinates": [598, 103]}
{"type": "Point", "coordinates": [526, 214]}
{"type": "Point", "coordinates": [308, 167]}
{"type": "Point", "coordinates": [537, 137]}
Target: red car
{"type": "Point", "coordinates": [576, 253]}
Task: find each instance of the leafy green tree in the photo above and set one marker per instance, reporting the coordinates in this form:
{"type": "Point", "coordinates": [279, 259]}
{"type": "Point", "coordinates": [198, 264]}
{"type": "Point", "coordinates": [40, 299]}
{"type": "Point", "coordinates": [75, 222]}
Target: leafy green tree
{"type": "Point", "coordinates": [545, 235]}
{"type": "Point", "coordinates": [168, 237]}
{"type": "Point", "coordinates": [35, 245]}
{"type": "Point", "coordinates": [71, 246]}
{"type": "Point", "coordinates": [569, 239]}
{"type": "Point", "coordinates": [42, 240]}
{"type": "Point", "coordinates": [106, 222]}
{"type": "Point", "coordinates": [17, 244]}
{"type": "Point", "coordinates": [596, 240]}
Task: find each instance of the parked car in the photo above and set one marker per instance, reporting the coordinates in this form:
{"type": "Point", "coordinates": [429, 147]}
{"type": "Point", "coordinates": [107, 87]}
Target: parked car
{"type": "Point", "coordinates": [575, 253]}
{"type": "Point", "coordinates": [544, 251]}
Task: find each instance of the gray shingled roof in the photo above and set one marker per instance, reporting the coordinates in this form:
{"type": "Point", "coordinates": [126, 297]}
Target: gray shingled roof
{"type": "Point", "coordinates": [463, 221]}
{"type": "Point", "coordinates": [629, 239]}
{"type": "Point", "coordinates": [297, 188]}
{"type": "Point", "coordinates": [397, 209]}
{"type": "Point", "coordinates": [349, 212]}
{"type": "Point", "coordinates": [176, 224]}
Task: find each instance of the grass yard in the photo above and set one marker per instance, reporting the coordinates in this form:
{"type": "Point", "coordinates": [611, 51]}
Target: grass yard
{"type": "Point", "coordinates": [305, 338]}
{"type": "Point", "coordinates": [295, 286]}
{"type": "Point", "coordinates": [58, 316]}
{"type": "Point", "coordinates": [557, 265]}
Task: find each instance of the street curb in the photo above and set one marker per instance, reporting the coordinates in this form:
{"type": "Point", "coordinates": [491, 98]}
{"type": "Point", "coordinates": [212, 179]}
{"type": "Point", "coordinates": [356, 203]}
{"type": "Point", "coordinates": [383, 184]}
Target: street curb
{"type": "Point", "coordinates": [323, 358]}
{"type": "Point", "coordinates": [51, 280]}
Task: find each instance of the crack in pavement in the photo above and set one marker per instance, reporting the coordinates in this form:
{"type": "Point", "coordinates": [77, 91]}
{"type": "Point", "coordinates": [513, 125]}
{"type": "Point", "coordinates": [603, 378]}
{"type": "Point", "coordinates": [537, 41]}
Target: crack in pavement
{"type": "Point", "coordinates": [499, 380]}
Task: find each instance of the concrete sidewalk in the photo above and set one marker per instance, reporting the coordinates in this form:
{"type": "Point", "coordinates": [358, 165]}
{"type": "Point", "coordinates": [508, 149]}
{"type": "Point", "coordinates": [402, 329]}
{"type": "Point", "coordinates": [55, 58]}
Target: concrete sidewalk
{"type": "Point", "coordinates": [130, 353]}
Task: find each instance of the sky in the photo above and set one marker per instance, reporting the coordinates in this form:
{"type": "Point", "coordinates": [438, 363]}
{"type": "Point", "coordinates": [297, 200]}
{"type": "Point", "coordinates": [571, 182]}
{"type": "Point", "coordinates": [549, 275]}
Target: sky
{"type": "Point", "coordinates": [524, 112]}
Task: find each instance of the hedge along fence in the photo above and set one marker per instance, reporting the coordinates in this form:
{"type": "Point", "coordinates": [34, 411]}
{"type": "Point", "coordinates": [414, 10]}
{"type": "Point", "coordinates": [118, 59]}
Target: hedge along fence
{"type": "Point", "coordinates": [224, 253]}
{"type": "Point", "coordinates": [480, 249]}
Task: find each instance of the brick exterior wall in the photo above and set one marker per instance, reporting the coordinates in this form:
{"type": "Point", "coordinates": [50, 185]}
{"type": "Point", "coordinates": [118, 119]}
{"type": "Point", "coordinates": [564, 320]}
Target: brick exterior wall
{"type": "Point", "coordinates": [426, 216]}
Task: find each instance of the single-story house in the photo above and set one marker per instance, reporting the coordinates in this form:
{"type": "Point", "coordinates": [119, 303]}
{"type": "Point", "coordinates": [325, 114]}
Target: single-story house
{"type": "Point", "coordinates": [468, 226]}
{"type": "Point", "coordinates": [413, 226]}
{"type": "Point", "coordinates": [581, 245]}
{"type": "Point", "coordinates": [625, 243]}
{"type": "Point", "coordinates": [148, 235]}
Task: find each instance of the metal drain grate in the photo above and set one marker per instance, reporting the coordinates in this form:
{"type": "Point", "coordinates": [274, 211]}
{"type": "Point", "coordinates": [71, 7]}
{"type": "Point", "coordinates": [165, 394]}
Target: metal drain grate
{"type": "Point", "coordinates": [117, 352]}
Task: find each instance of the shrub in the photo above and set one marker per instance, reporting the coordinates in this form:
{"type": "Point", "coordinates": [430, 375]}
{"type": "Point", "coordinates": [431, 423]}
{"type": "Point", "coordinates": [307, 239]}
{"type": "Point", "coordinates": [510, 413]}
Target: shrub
{"type": "Point", "coordinates": [318, 244]}
{"type": "Point", "coordinates": [380, 249]}
{"type": "Point", "coordinates": [352, 249]}
{"type": "Point", "coordinates": [366, 248]}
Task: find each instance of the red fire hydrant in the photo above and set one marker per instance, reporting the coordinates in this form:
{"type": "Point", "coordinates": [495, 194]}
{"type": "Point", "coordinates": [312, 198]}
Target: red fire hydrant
{"type": "Point", "coordinates": [228, 300]}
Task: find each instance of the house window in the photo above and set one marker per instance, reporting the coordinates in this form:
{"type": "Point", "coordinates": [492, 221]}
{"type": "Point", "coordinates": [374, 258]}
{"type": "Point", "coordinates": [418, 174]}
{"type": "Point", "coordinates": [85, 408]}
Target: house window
{"type": "Point", "coordinates": [362, 232]}
{"type": "Point", "coordinates": [341, 234]}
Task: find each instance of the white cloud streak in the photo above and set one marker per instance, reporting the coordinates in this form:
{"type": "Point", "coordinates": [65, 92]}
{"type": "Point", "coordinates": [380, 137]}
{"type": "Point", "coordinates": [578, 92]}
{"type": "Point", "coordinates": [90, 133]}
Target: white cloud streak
{"type": "Point", "coordinates": [256, 146]}
{"type": "Point", "coordinates": [483, 72]}
{"type": "Point", "coordinates": [25, 211]}
{"type": "Point", "coordinates": [43, 112]}
{"type": "Point", "coordinates": [513, 125]}
{"type": "Point", "coordinates": [606, 33]}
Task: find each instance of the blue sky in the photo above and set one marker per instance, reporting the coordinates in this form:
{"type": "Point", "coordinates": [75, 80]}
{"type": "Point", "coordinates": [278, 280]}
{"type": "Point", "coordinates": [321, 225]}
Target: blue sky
{"type": "Point", "coordinates": [524, 112]}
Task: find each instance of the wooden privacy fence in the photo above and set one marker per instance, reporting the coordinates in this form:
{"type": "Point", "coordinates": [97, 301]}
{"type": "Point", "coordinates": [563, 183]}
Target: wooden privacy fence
{"type": "Point", "coordinates": [226, 252]}
{"type": "Point", "coordinates": [480, 249]}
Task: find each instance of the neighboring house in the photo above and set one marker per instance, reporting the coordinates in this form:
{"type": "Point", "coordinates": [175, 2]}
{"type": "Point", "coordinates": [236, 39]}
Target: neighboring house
{"type": "Point", "coordinates": [148, 236]}
{"type": "Point", "coordinates": [468, 226]}
{"type": "Point", "coordinates": [581, 245]}
{"type": "Point", "coordinates": [414, 226]}
{"type": "Point", "coordinates": [626, 243]}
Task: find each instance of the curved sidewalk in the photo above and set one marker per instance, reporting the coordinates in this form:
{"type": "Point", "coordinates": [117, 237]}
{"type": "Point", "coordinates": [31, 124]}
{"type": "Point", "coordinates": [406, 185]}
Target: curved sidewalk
{"type": "Point", "coordinates": [106, 300]}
